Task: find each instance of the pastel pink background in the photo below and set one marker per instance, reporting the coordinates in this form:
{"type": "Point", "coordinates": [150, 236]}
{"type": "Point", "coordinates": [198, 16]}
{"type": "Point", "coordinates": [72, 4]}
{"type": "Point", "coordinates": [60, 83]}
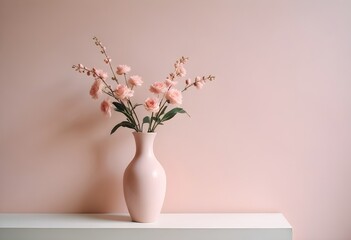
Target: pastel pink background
{"type": "Point", "coordinates": [271, 134]}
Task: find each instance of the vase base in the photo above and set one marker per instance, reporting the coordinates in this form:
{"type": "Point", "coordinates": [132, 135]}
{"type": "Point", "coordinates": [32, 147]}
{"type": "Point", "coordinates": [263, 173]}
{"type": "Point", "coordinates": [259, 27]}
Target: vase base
{"type": "Point", "coordinates": [144, 220]}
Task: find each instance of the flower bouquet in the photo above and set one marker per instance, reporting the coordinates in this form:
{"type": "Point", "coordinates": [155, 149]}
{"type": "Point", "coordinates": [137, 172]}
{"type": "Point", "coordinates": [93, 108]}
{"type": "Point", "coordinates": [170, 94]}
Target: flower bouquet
{"type": "Point", "coordinates": [119, 89]}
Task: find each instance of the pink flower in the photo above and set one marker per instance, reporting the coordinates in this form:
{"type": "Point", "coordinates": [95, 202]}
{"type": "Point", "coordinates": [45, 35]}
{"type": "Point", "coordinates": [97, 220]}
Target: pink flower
{"type": "Point", "coordinates": [135, 80]}
{"type": "Point", "coordinates": [152, 105]}
{"type": "Point", "coordinates": [95, 89]}
{"type": "Point", "coordinates": [180, 70]}
{"type": "Point", "coordinates": [170, 83]}
{"type": "Point", "coordinates": [174, 96]}
{"type": "Point", "coordinates": [100, 74]}
{"type": "Point", "coordinates": [199, 82]}
{"type": "Point", "coordinates": [122, 92]}
{"type": "Point", "coordinates": [106, 107]}
{"type": "Point", "coordinates": [158, 87]}
{"type": "Point", "coordinates": [122, 69]}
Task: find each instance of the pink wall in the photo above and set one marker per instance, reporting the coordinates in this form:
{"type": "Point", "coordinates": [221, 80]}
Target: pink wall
{"type": "Point", "coordinates": [271, 134]}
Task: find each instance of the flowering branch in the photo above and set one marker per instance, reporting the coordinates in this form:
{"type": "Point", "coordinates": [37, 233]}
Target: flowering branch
{"type": "Point", "coordinates": [165, 93]}
{"type": "Point", "coordinates": [199, 82]}
{"type": "Point", "coordinates": [107, 60]}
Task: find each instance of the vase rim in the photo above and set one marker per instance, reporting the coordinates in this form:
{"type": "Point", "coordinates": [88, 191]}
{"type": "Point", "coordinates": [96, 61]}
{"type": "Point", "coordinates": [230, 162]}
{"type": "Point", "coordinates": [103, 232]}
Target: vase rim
{"type": "Point", "coordinates": [146, 133]}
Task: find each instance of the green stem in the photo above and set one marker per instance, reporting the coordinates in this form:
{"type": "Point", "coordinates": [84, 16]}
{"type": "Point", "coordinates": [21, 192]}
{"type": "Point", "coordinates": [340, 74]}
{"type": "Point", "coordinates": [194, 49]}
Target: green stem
{"type": "Point", "coordinates": [158, 115]}
{"type": "Point", "coordinates": [125, 79]}
{"type": "Point", "coordinates": [136, 116]}
{"type": "Point", "coordinates": [149, 128]}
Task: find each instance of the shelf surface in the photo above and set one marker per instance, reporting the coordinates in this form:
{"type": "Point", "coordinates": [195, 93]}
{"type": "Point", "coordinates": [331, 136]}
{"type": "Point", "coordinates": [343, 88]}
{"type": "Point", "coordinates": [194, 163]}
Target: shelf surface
{"type": "Point", "coordinates": [268, 226]}
{"type": "Point", "coordinates": [202, 220]}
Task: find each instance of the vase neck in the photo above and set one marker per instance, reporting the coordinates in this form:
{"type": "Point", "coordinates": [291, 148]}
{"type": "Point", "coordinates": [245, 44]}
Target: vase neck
{"type": "Point", "coordinates": [144, 143]}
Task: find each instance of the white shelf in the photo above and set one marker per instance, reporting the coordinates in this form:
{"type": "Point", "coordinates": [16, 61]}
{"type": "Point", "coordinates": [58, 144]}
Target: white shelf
{"type": "Point", "coordinates": [248, 226]}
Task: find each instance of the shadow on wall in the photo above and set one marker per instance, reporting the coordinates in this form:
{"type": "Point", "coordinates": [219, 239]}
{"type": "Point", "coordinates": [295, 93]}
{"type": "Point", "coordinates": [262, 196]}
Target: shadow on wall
{"type": "Point", "coordinates": [68, 162]}
{"type": "Point", "coordinates": [104, 192]}
{"type": "Point", "coordinates": [85, 134]}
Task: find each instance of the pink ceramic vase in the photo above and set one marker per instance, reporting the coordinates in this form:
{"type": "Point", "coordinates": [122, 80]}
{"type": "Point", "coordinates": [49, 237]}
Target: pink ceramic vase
{"type": "Point", "coordinates": [144, 181]}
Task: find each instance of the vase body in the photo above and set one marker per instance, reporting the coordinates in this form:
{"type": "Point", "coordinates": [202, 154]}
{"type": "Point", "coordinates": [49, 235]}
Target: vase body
{"type": "Point", "coordinates": [144, 181]}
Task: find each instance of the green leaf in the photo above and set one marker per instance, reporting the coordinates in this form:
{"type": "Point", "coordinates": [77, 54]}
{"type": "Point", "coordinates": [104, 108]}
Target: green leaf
{"type": "Point", "coordinates": [122, 124]}
{"type": "Point", "coordinates": [119, 106]}
{"type": "Point", "coordinates": [170, 114]}
{"type": "Point", "coordinates": [146, 119]}
{"type": "Point", "coordinates": [124, 110]}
